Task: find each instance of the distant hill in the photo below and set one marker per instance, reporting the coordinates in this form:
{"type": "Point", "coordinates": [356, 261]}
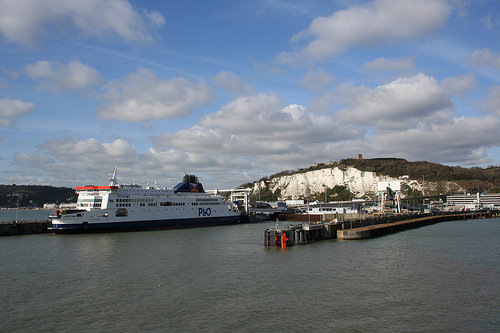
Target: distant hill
{"type": "Point", "coordinates": [357, 178]}
{"type": "Point", "coordinates": [34, 195]}
{"type": "Point", "coordinates": [342, 180]}
{"type": "Point", "coordinates": [471, 179]}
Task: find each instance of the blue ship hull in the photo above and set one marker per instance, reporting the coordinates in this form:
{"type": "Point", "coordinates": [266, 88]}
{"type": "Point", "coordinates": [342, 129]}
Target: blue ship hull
{"type": "Point", "coordinates": [143, 225]}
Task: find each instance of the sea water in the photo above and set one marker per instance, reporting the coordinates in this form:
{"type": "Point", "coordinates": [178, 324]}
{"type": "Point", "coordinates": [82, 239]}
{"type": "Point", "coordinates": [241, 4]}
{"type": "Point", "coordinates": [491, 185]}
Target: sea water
{"type": "Point", "coordinates": [439, 278]}
{"type": "Point", "coordinates": [10, 215]}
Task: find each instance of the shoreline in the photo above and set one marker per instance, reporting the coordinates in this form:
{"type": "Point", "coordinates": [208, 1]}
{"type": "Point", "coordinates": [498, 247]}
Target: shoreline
{"type": "Point", "coordinates": [14, 209]}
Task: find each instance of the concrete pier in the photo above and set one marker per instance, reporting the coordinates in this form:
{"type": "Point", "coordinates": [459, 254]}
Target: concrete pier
{"type": "Point", "coordinates": [361, 228]}
{"type": "Point", "coordinates": [389, 228]}
{"type": "Point", "coordinates": [299, 234]}
{"type": "Point", "coordinates": [24, 228]}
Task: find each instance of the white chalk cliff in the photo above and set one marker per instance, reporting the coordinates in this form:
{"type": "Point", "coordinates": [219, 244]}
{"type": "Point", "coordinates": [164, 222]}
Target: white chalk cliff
{"type": "Point", "coordinates": [297, 185]}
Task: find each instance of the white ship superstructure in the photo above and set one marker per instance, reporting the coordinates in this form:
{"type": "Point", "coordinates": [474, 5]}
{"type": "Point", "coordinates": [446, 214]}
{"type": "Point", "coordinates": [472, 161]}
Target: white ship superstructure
{"type": "Point", "coordinates": [132, 207]}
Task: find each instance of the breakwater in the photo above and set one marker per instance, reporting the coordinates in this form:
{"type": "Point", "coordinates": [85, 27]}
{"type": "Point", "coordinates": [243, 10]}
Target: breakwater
{"type": "Point", "coordinates": [361, 228]}
{"type": "Point", "coordinates": [377, 230]}
{"type": "Point", "coordinates": [299, 234]}
{"type": "Point", "coordinates": [24, 228]}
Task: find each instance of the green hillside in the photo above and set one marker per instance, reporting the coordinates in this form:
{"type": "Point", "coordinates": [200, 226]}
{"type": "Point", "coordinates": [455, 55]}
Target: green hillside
{"type": "Point", "coordinates": [470, 179]}
{"type": "Point", "coordinates": [34, 195]}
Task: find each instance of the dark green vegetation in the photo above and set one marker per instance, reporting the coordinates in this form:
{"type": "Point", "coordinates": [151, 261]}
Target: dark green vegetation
{"type": "Point", "coordinates": [470, 179]}
{"type": "Point", "coordinates": [34, 195]}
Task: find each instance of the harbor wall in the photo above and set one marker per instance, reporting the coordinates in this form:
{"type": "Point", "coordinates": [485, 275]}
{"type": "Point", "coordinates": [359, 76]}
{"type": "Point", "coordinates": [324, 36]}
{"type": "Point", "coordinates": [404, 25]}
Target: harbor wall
{"type": "Point", "coordinates": [299, 234]}
{"type": "Point", "coordinates": [360, 229]}
{"type": "Point", "coordinates": [23, 228]}
{"type": "Point", "coordinates": [346, 217]}
{"type": "Point", "coordinates": [377, 230]}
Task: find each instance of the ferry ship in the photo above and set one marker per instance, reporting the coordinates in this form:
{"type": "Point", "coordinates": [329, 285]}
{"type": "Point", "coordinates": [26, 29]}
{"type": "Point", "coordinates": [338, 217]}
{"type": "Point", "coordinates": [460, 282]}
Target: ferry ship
{"type": "Point", "coordinates": [131, 207]}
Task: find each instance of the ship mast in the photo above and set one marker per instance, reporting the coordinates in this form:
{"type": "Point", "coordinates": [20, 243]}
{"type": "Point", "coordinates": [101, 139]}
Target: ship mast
{"type": "Point", "coordinates": [113, 178]}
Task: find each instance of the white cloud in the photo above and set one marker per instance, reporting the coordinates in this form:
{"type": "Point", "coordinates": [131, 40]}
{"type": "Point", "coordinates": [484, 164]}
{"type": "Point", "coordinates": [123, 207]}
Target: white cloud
{"type": "Point", "coordinates": [492, 101]}
{"type": "Point", "coordinates": [265, 117]}
{"type": "Point", "coordinates": [257, 125]}
{"type": "Point", "coordinates": [91, 160]}
{"type": "Point", "coordinates": [195, 138]}
{"type": "Point", "coordinates": [57, 76]}
{"type": "Point", "coordinates": [232, 83]}
{"type": "Point", "coordinates": [242, 114]}
{"type": "Point", "coordinates": [380, 21]}
{"type": "Point", "coordinates": [484, 57]}
{"type": "Point", "coordinates": [322, 103]}
{"type": "Point", "coordinates": [142, 96]}
{"type": "Point", "coordinates": [25, 21]}
{"type": "Point", "coordinates": [90, 151]}
{"type": "Point", "coordinates": [387, 65]}
{"type": "Point", "coordinates": [154, 18]}
{"type": "Point", "coordinates": [459, 140]}
{"type": "Point", "coordinates": [401, 100]}
{"type": "Point", "coordinates": [10, 109]}
{"type": "Point", "coordinates": [260, 133]}
{"type": "Point", "coordinates": [458, 85]}
{"type": "Point", "coordinates": [317, 80]}
{"type": "Point", "coordinates": [33, 160]}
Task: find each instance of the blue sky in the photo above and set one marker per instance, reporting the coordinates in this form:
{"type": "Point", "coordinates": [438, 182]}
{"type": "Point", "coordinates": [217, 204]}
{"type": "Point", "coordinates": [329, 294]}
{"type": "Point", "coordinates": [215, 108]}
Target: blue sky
{"type": "Point", "coordinates": [237, 90]}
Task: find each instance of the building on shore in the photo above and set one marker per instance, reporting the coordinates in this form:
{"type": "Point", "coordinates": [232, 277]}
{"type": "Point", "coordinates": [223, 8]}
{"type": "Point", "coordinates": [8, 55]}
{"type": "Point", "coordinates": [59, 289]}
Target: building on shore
{"type": "Point", "coordinates": [473, 201]}
{"type": "Point", "coordinates": [340, 207]}
{"type": "Point", "coordinates": [66, 205]}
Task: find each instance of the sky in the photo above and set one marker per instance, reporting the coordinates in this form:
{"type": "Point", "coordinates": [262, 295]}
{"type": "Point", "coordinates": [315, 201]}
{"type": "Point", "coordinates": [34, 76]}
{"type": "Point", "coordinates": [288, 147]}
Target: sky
{"type": "Point", "coordinates": [237, 90]}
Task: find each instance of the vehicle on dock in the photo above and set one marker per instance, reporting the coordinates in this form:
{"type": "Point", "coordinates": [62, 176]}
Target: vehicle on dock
{"type": "Point", "coordinates": [131, 207]}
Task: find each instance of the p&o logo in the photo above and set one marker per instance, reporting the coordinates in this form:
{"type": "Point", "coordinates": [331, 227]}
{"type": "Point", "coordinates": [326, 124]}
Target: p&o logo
{"type": "Point", "coordinates": [204, 212]}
